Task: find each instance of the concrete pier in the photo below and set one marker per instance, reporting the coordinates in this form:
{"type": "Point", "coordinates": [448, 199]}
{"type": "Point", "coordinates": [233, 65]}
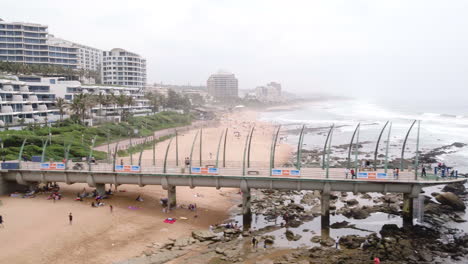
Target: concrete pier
{"type": "Point", "coordinates": [171, 196]}
{"type": "Point", "coordinates": [246, 211]}
{"type": "Point", "coordinates": [325, 218]}
{"type": "Point", "coordinates": [101, 189]}
{"type": "Point", "coordinates": [407, 212]}
{"type": "Point", "coordinates": [7, 187]}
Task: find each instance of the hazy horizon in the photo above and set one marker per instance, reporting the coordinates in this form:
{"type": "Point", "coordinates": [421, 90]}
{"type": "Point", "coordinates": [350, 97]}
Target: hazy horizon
{"type": "Point", "coordinates": [367, 49]}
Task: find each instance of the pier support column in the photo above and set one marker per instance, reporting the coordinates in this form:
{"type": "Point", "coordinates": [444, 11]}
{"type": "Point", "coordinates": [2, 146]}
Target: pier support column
{"type": "Point", "coordinates": [171, 196]}
{"type": "Point", "coordinates": [7, 187]}
{"type": "Point", "coordinates": [407, 212]}
{"type": "Point", "coordinates": [246, 212]}
{"type": "Point", "coordinates": [101, 189]}
{"type": "Point", "coordinates": [325, 218]}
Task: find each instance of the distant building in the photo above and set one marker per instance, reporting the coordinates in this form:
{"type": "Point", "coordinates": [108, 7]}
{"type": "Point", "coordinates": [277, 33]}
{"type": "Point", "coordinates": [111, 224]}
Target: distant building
{"type": "Point", "coordinates": [223, 86]}
{"type": "Point", "coordinates": [121, 67]}
{"type": "Point", "coordinates": [28, 43]}
{"type": "Point", "coordinates": [269, 93]}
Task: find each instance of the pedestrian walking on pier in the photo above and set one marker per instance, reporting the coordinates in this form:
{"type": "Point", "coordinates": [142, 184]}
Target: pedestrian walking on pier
{"type": "Point", "coordinates": [346, 171]}
{"type": "Point", "coordinates": [353, 174]}
{"type": "Point", "coordinates": [70, 218]}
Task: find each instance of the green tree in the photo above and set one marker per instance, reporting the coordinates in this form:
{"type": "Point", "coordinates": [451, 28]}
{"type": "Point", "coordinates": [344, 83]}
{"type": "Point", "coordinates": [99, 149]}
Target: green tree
{"type": "Point", "coordinates": [61, 105]}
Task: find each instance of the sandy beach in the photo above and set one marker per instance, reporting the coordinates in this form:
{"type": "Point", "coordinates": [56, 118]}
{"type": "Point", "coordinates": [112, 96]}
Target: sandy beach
{"type": "Point", "coordinates": [37, 230]}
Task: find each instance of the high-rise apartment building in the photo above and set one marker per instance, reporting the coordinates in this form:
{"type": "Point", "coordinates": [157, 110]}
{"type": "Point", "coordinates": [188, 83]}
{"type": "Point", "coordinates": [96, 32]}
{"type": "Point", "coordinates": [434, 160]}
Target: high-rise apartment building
{"type": "Point", "coordinates": [89, 58]}
{"type": "Point", "coordinates": [121, 67]}
{"type": "Point", "coordinates": [28, 43]}
{"type": "Point", "coordinates": [223, 86]}
{"type": "Point", "coordinates": [23, 42]}
{"type": "Point", "coordinates": [62, 53]}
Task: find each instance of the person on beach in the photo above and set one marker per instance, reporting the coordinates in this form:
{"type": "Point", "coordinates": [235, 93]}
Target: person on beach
{"type": "Point", "coordinates": [111, 208]}
{"type": "Point", "coordinates": [254, 242]}
{"type": "Point", "coordinates": [70, 218]}
{"type": "Point", "coordinates": [1, 221]}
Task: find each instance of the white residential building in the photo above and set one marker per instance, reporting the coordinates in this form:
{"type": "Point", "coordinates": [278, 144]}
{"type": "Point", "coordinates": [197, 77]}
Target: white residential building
{"type": "Point", "coordinates": [26, 100]}
{"type": "Point", "coordinates": [89, 58]}
{"type": "Point", "coordinates": [31, 99]}
{"type": "Point", "coordinates": [121, 67]}
{"type": "Point", "coordinates": [269, 93]}
{"type": "Point", "coordinates": [223, 86]}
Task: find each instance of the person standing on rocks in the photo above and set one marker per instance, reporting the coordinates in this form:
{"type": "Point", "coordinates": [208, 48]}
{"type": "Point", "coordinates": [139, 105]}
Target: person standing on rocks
{"type": "Point", "coordinates": [376, 260]}
{"type": "Point", "coordinates": [254, 242]}
{"type": "Point", "coordinates": [337, 242]}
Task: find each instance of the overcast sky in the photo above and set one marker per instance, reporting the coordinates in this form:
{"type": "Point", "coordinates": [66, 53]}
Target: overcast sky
{"type": "Point", "coordinates": [362, 47]}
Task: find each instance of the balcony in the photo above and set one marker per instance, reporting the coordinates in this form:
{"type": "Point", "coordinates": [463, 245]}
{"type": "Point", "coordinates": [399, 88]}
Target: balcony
{"type": "Point", "coordinates": [17, 98]}
{"type": "Point", "coordinates": [42, 107]}
{"type": "Point", "coordinates": [7, 88]}
{"type": "Point", "coordinates": [7, 109]}
{"type": "Point", "coordinates": [24, 89]}
{"type": "Point", "coordinates": [27, 108]}
{"type": "Point", "coordinates": [33, 98]}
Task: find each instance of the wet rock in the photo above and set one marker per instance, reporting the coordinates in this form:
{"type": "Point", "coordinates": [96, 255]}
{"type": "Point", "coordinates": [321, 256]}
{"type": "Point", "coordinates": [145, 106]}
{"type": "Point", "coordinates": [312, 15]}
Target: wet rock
{"type": "Point", "coordinates": [183, 242]}
{"type": "Point", "coordinates": [295, 206]}
{"type": "Point", "coordinates": [390, 230]}
{"type": "Point", "coordinates": [352, 202]}
{"type": "Point", "coordinates": [294, 223]}
{"type": "Point", "coordinates": [366, 196]}
{"type": "Point", "coordinates": [203, 235]}
{"type": "Point", "coordinates": [457, 188]}
{"type": "Point", "coordinates": [327, 242]}
{"type": "Point", "coordinates": [351, 241]}
{"type": "Point", "coordinates": [315, 239]}
{"type": "Point", "coordinates": [291, 236]}
{"type": "Point", "coordinates": [356, 213]}
{"type": "Point", "coordinates": [344, 194]}
{"type": "Point", "coordinates": [434, 194]}
{"type": "Point", "coordinates": [451, 200]}
{"type": "Point", "coordinates": [333, 196]}
{"type": "Point", "coordinates": [343, 224]}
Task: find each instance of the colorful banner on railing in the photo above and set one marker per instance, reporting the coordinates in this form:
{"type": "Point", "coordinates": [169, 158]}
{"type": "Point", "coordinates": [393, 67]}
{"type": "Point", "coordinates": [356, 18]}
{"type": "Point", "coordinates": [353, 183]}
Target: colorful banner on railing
{"type": "Point", "coordinates": [127, 168]}
{"type": "Point", "coordinates": [279, 172]}
{"type": "Point", "coordinates": [53, 166]}
{"type": "Point", "coordinates": [372, 175]}
{"type": "Point", "coordinates": [201, 170]}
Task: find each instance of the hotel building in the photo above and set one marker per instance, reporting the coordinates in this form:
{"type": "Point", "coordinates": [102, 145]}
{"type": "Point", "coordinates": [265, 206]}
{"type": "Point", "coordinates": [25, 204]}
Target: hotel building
{"type": "Point", "coordinates": [223, 86]}
{"type": "Point", "coordinates": [121, 67]}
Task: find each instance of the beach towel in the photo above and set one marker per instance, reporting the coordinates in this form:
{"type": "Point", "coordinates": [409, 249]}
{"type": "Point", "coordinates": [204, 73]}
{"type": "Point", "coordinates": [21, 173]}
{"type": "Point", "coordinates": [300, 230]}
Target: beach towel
{"type": "Point", "coordinates": [169, 220]}
{"type": "Point", "coordinates": [183, 218]}
{"type": "Point", "coordinates": [133, 208]}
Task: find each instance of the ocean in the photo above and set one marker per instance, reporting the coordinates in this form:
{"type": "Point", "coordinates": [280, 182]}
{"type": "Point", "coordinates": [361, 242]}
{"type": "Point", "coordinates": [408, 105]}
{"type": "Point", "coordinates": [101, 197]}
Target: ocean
{"type": "Point", "coordinates": [445, 124]}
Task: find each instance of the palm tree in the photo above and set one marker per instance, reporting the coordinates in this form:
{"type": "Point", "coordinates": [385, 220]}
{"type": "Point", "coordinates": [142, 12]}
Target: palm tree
{"type": "Point", "coordinates": [130, 101]}
{"type": "Point", "coordinates": [121, 101]}
{"type": "Point", "coordinates": [61, 105]}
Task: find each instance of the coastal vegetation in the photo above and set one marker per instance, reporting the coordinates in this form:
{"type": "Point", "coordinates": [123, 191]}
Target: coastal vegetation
{"type": "Point", "coordinates": [80, 137]}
